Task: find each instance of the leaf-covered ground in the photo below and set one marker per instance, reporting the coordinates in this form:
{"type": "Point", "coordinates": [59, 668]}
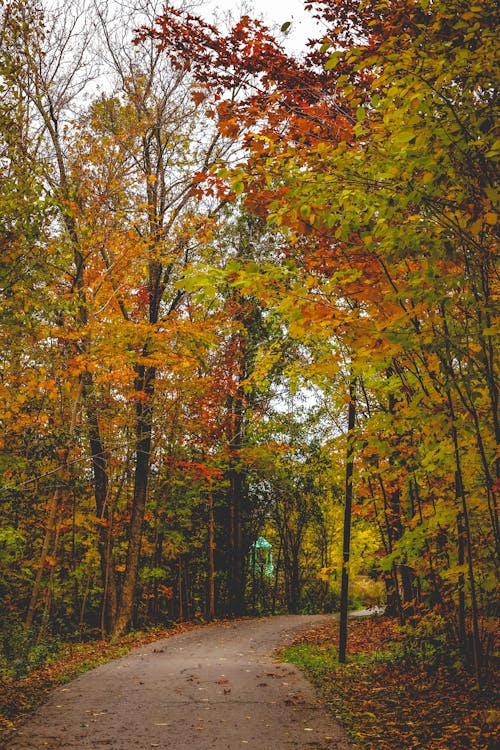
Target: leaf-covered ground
{"type": "Point", "coordinates": [388, 703]}
{"type": "Point", "coordinates": [19, 697]}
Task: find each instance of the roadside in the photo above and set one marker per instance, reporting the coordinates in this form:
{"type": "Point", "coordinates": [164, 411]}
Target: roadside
{"type": "Point", "coordinates": [217, 687]}
{"type": "Point", "coordinates": [390, 696]}
{"type": "Point", "coordinates": [19, 697]}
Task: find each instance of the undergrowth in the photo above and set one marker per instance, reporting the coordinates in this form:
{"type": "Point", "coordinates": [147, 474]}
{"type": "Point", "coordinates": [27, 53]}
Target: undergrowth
{"type": "Point", "coordinates": [388, 699]}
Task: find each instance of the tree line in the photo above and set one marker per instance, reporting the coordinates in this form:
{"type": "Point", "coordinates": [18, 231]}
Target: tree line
{"type": "Point", "coordinates": [241, 292]}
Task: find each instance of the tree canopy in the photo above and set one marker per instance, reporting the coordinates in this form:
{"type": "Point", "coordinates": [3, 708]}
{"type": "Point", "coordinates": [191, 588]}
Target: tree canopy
{"type": "Point", "coordinates": [242, 291]}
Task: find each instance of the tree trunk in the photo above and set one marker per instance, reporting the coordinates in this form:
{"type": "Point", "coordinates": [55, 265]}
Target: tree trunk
{"type": "Point", "coordinates": [180, 592]}
{"type": "Point", "coordinates": [408, 580]}
{"type": "Point", "coordinates": [236, 581]}
{"type": "Point", "coordinates": [144, 386]}
{"type": "Point", "coordinates": [211, 561]}
{"type": "Point", "coordinates": [349, 471]}
{"type": "Point", "coordinates": [462, 628]}
{"type": "Point", "coordinates": [236, 594]}
{"type": "Point", "coordinates": [37, 586]}
{"type": "Point", "coordinates": [460, 492]}
{"type": "Point", "coordinates": [276, 581]}
{"type": "Point", "coordinates": [294, 581]}
{"type": "Point", "coordinates": [101, 489]}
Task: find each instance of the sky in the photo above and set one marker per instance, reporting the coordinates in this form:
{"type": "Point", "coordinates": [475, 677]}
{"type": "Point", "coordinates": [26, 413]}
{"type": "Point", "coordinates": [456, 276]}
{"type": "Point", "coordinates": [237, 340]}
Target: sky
{"type": "Point", "coordinates": [274, 12]}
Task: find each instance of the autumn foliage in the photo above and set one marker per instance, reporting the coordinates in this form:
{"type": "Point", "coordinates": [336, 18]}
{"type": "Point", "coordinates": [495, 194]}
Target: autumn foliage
{"type": "Point", "coordinates": [387, 702]}
{"type": "Point", "coordinates": [204, 263]}
{"type": "Point", "coordinates": [375, 157]}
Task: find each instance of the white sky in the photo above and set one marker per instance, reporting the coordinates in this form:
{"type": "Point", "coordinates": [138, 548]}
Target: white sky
{"type": "Point", "coordinates": [275, 13]}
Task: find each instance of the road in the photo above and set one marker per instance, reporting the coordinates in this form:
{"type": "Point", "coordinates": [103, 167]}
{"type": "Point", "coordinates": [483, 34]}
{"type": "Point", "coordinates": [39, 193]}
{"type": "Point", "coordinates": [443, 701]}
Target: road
{"type": "Point", "coordinates": [213, 688]}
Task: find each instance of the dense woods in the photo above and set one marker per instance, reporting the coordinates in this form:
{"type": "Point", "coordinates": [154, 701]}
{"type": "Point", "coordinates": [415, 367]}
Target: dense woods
{"type": "Point", "coordinates": [242, 291]}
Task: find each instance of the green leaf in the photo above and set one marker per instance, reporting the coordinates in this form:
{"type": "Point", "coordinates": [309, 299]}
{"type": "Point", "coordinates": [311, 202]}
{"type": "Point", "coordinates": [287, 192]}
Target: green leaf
{"type": "Point", "coordinates": [332, 61]}
{"type": "Point", "coordinates": [238, 187]}
{"type": "Point", "coordinates": [405, 136]}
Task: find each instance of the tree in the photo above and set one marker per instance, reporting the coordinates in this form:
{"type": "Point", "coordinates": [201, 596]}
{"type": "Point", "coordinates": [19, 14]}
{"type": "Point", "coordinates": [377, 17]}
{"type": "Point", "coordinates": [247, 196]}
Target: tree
{"type": "Point", "coordinates": [401, 114]}
{"type": "Point", "coordinates": [122, 226]}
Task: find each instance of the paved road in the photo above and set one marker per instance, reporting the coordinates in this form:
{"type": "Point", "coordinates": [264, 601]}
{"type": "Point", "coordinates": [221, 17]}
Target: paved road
{"type": "Point", "coordinates": [215, 688]}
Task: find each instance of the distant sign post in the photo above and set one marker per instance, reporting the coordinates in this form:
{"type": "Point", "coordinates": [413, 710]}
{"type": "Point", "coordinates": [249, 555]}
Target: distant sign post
{"type": "Point", "coordinates": [261, 554]}
{"type": "Point", "coordinates": [261, 558]}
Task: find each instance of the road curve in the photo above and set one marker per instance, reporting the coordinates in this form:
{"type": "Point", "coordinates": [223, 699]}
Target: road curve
{"type": "Point", "coordinates": [214, 688]}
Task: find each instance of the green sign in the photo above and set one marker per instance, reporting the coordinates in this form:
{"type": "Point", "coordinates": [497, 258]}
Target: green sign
{"type": "Point", "coordinates": [261, 554]}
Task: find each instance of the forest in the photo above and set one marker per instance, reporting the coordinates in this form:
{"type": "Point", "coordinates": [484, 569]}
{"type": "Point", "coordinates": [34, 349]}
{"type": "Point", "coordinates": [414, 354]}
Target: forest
{"type": "Point", "coordinates": [248, 320]}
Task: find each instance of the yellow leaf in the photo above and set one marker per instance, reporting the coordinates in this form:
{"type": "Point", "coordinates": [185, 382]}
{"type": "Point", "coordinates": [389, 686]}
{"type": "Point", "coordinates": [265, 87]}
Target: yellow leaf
{"type": "Point", "coordinates": [100, 521]}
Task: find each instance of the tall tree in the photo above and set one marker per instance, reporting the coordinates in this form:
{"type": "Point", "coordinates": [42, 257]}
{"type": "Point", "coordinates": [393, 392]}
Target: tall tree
{"type": "Point", "coordinates": [380, 166]}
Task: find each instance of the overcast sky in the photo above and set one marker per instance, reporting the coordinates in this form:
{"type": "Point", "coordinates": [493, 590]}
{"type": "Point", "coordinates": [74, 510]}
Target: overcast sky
{"type": "Point", "coordinates": [275, 13]}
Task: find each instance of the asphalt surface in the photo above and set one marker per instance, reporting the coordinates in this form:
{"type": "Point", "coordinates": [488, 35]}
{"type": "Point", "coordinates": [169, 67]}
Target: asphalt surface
{"type": "Point", "coordinates": [214, 688]}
